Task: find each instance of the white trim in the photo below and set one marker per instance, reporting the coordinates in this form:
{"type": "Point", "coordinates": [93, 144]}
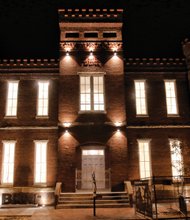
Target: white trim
{"type": "Point", "coordinates": [6, 110]}
{"type": "Point", "coordinates": [2, 168]}
{"type": "Point", "coordinates": [147, 141]}
{"type": "Point", "coordinates": [37, 106]}
{"type": "Point", "coordinates": [176, 100]}
{"type": "Point", "coordinates": [145, 98]}
{"type": "Point", "coordinates": [46, 142]}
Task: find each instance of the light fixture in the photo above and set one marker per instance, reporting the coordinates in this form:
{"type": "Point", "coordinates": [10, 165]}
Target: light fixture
{"type": "Point", "coordinates": [118, 124]}
{"type": "Point", "coordinates": [67, 53]}
{"type": "Point", "coordinates": [115, 53]}
{"type": "Point", "coordinates": [66, 124]}
{"type": "Point", "coordinates": [91, 56]}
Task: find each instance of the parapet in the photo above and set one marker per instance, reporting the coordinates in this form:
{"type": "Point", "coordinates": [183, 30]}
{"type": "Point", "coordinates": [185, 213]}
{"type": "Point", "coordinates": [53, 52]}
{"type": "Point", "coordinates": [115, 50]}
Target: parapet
{"type": "Point", "coordinates": [90, 14]}
{"type": "Point", "coordinates": [146, 64]}
{"type": "Point", "coordinates": [38, 63]}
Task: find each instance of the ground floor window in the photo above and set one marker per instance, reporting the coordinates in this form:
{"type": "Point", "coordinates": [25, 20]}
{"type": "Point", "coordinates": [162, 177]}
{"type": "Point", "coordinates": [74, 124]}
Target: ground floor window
{"type": "Point", "coordinates": [144, 158]}
{"type": "Point", "coordinates": [40, 161]}
{"type": "Point", "coordinates": [176, 158]}
{"type": "Point", "coordinates": [8, 162]}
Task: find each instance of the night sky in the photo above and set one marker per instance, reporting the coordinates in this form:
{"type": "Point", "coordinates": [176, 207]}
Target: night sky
{"type": "Point", "coordinates": [153, 28]}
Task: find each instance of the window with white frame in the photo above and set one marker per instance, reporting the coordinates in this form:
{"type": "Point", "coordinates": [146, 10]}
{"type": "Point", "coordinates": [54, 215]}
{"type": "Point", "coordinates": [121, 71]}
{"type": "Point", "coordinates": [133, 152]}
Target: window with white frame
{"type": "Point", "coordinates": [12, 98]}
{"type": "Point", "coordinates": [92, 93]}
{"type": "Point", "coordinates": [43, 98]}
{"type": "Point", "coordinates": [171, 100]}
{"type": "Point", "coordinates": [140, 93]}
{"type": "Point", "coordinates": [8, 162]}
{"type": "Point", "coordinates": [40, 161]}
{"type": "Point", "coordinates": [176, 158]}
{"type": "Point", "coordinates": [144, 158]}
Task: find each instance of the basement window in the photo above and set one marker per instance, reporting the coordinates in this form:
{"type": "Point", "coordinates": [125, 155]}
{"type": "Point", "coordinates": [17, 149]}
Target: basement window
{"type": "Point", "coordinates": [109, 34]}
{"type": "Point", "coordinates": [72, 35]}
{"type": "Point", "coordinates": [91, 34]}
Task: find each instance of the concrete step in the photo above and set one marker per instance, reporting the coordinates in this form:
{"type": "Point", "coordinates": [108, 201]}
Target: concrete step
{"type": "Point", "coordinates": [85, 200]}
{"type": "Point", "coordinates": [105, 205]}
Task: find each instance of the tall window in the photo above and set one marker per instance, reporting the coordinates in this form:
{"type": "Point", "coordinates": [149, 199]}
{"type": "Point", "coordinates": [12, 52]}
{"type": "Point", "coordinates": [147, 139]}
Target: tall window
{"type": "Point", "coordinates": [8, 162]}
{"type": "Point", "coordinates": [176, 158]}
{"type": "Point", "coordinates": [141, 108]}
{"type": "Point", "coordinates": [43, 98]}
{"type": "Point", "coordinates": [92, 93]}
{"type": "Point", "coordinates": [12, 95]}
{"type": "Point", "coordinates": [40, 161]}
{"type": "Point", "coordinates": [144, 158]}
{"type": "Point", "coordinates": [171, 101]}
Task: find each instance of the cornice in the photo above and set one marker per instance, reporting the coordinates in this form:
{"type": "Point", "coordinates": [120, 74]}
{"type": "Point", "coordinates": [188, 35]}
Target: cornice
{"type": "Point", "coordinates": [157, 64]}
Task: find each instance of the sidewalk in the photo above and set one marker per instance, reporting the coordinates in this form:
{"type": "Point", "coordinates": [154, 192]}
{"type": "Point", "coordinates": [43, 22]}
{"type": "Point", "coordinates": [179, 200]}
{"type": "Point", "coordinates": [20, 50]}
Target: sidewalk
{"type": "Point", "coordinates": [49, 213]}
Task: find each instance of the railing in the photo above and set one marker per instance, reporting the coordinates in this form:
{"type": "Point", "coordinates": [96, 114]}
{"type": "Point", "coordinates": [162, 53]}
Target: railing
{"type": "Point", "coordinates": [78, 180]}
{"type": "Point", "coordinates": [57, 193]}
{"type": "Point", "coordinates": [163, 197]}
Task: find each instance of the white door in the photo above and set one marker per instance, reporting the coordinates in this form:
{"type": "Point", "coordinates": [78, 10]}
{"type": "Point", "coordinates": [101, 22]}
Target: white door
{"type": "Point", "coordinates": [93, 161]}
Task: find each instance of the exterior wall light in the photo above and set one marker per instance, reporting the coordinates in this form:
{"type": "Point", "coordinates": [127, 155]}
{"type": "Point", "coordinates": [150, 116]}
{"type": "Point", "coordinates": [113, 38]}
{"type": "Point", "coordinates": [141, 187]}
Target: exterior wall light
{"type": "Point", "coordinates": [118, 124]}
{"type": "Point", "coordinates": [91, 55]}
{"type": "Point", "coordinates": [67, 53]}
{"type": "Point", "coordinates": [66, 124]}
{"type": "Point", "coordinates": [115, 53]}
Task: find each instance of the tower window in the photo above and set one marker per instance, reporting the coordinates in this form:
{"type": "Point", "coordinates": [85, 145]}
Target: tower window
{"type": "Point", "coordinates": [91, 34]}
{"type": "Point", "coordinates": [92, 93]}
{"type": "Point", "coordinates": [72, 35]}
{"type": "Point", "coordinates": [109, 34]}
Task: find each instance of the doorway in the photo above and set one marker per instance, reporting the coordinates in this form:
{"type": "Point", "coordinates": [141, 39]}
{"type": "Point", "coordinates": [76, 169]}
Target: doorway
{"type": "Point", "coordinates": [93, 160]}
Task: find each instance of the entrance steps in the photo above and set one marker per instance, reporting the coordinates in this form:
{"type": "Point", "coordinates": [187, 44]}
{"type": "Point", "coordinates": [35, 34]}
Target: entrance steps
{"type": "Point", "coordinates": [85, 200]}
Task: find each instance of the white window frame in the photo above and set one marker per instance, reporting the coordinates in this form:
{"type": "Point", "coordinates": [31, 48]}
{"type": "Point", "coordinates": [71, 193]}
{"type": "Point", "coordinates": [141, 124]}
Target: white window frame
{"type": "Point", "coordinates": [141, 98]}
{"type": "Point", "coordinates": [12, 98]}
{"type": "Point", "coordinates": [144, 173]}
{"type": "Point", "coordinates": [171, 100]}
{"type": "Point", "coordinates": [91, 104]}
{"type": "Point", "coordinates": [176, 159]}
{"type": "Point", "coordinates": [8, 162]}
{"type": "Point", "coordinates": [42, 109]}
{"type": "Point", "coordinates": [42, 180]}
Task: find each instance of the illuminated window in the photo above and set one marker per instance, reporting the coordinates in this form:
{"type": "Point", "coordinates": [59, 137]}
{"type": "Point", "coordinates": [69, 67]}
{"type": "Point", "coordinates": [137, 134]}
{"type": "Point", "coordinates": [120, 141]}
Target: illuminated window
{"type": "Point", "coordinates": [141, 108]}
{"type": "Point", "coordinates": [43, 98]}
{"type": "Point", "coordinates": [92, 152]}
{"type": "Point", "coordinates": [92, 93]}
{"type": "Point", "coordinates": [144, 158]}
{"type": "Point", "coordinates": [40, 162]}
{"type": "Point", "coordinates": [176, 158]}
{"type": "Point", "coordinates": [12, 95]}
{"type": "Point", "coordinates": [171, 101]}
{"type": "Point", "coordinates": [91, 34]}
{"type": "Point", "coordinates": [8, 162]}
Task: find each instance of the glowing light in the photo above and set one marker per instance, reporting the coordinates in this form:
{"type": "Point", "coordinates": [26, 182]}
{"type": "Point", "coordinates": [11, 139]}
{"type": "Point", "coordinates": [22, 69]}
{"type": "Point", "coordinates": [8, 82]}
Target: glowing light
{"type": "Point", "coordinates": [118, 124]}
{"type": "Point", "coordinates": [91, 56]}
{"type": "Point", "coordinates": [66, 124]}
{"type": "Point", "coordinates": [115, 53]}
{"type": "Point", "coordinates": [67, 53]}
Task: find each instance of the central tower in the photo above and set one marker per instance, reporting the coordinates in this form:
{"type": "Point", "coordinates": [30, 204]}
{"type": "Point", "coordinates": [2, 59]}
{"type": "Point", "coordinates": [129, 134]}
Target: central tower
{"type": "Point", "coordinates": [91, 100]}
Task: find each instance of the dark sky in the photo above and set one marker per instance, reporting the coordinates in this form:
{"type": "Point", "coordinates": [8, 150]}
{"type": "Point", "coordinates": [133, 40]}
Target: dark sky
{"type": "Point", "coordinates": [153, 28]}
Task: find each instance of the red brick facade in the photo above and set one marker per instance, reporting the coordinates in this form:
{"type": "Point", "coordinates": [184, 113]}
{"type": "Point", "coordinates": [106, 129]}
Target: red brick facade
{"type": "Point", "coordinates": [93, 129]}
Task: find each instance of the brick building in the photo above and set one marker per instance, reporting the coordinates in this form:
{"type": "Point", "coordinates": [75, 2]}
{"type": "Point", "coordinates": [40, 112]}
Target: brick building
{"type": "Point", "coordinates": [91, 111]}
